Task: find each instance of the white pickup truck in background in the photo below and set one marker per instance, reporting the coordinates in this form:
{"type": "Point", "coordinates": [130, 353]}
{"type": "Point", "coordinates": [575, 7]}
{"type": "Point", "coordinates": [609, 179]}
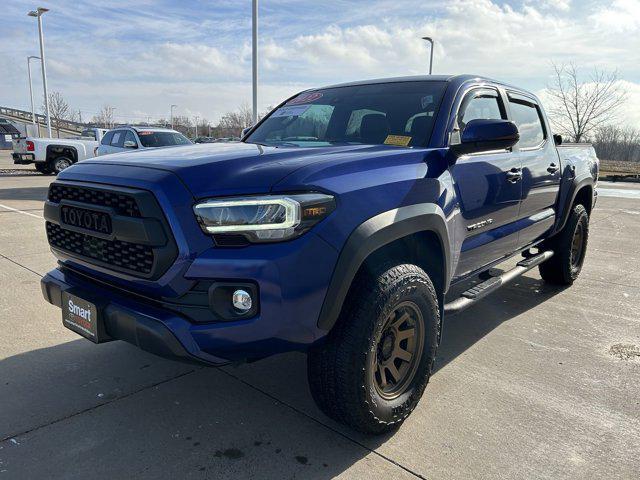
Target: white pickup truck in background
{"type": "Point", "coordinates": [52, 155]}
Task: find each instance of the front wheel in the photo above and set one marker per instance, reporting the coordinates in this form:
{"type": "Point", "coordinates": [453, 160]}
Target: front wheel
{"type": "Point", "coordinates": [375, 364]}
{"type": "Point", "coordinates": [43, 168]}
{"type": "Point", "coordinates": [60, 163]}
{"type": "Point", "coordinates": [569, 247]}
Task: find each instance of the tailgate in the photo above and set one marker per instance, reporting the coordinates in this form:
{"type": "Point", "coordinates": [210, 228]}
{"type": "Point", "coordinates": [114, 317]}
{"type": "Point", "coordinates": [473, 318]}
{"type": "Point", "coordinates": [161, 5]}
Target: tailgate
{"type": "Point", "coordinates": [20, 145]}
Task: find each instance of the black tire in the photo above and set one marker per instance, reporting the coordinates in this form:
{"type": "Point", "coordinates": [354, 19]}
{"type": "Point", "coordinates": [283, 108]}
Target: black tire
{"type": "Point", "coordinates": [43, 168]}
{"type": "Point", "coordinates": [59, 164]}
{"type": "Point", "coordinates": [345, 371]}
{"type": "Point", "coordinates": [569, 247]}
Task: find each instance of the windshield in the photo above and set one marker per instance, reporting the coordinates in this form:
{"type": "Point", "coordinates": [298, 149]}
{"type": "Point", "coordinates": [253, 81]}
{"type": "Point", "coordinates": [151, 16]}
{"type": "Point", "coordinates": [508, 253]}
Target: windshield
{"type": "Point", "coordinates": [400, 114]}
{"type": "Point", "coordinates": [161, 139]}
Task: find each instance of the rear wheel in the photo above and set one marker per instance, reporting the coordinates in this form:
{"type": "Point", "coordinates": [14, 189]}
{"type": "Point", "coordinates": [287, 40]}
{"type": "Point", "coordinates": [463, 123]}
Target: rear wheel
{"type": "Point", "coordinates": [59, 164]}
{"type": "Point", "coordinates": [376, 362]}
{"type": "Point", "coordinates": [569, 247]}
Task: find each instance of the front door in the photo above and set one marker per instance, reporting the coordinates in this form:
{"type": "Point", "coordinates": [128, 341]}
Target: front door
{"type": "Point", "coordinates": [488, 188]}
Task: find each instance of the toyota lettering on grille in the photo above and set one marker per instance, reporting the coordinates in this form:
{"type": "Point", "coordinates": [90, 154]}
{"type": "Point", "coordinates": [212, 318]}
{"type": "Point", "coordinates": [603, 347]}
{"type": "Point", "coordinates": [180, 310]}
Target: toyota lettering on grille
{"type": "Point", "coordinates": [86, 219]}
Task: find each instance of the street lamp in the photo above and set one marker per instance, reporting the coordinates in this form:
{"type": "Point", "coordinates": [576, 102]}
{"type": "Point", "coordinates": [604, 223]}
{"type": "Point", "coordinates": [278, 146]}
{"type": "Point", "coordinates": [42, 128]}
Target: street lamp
{"type": "Point", "coordinates": [430, 40]}
{"type": "Point", "coordinates": [254, 59]}
{"type": "Point", "coordinates": [38, 14]}
{"type": "Point", "coordinates": [171, 114]}
{"type": "Point", "coordinates": [33, 111]}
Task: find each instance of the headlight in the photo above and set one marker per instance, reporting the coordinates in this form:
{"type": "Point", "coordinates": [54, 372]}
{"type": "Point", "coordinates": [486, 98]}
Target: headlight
{"type": "Point", "coordinates": [268, 218]}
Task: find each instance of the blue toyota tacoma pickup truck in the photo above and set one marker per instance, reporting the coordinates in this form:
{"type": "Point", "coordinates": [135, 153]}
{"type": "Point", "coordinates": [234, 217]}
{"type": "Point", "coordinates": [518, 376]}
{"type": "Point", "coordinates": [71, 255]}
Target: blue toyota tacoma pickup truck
{"type": "Point", "coordinates": [335, 227]}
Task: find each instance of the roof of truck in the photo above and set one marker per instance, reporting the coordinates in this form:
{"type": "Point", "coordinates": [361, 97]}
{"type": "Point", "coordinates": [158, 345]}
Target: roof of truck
{"type": "Point", "coordinates": [455, 79]}
{"type": "Point", "coordinates": [412, 78]}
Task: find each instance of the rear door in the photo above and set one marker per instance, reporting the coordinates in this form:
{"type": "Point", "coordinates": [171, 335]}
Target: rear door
{"type": "Point", "coordinates": [540, 169]}
{"type": "Point", "coordinates": [117, 141]}
{"type": "Point", "coordinates": [489, 197]}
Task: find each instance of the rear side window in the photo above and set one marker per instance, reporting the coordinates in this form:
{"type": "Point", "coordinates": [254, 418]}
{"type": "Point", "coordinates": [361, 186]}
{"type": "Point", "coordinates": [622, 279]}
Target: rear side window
{"type": "Point", "coordinates": [118, 138]}
{"type": "Point", "coordinates": [106, 140]}
{"type": "Point", "coordinates": [527, 117]}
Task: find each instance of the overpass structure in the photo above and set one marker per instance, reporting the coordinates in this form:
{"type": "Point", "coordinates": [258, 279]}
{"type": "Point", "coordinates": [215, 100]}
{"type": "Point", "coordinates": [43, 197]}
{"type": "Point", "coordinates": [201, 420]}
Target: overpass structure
{"type": "Point", "coordinates": [66, 127]}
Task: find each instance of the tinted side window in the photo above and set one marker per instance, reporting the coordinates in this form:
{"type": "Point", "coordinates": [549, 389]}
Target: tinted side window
{"type": "Point", "coordinates": [106, 140]}
{"type": "Point", "coordinates": [118, 138]}
{"type": "Point", "coordinates": [478, 106]}
{"type": "Point", "coordinates": [527, 118]}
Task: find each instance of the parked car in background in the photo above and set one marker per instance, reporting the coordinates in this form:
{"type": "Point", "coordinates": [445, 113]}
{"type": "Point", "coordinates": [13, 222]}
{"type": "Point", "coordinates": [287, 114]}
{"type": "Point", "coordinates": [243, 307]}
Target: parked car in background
{"type": "Point", "coordinates": [93, 134]}
{"type": "Point", "coordinates": [226, 139]}
{"type": "Point", "coordinates": [52, 155]}
{"type": "Point", "coordinates": [139, 138]}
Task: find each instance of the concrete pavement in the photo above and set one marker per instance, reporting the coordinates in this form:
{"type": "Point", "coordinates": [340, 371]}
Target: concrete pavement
{"type": "Point", "coordinates": [534, 382]}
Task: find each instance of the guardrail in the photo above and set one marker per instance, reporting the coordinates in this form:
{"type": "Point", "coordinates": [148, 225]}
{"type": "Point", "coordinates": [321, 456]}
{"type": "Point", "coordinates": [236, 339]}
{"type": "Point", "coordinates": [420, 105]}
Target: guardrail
{"type": "Point", "coordinates": [66, 126]}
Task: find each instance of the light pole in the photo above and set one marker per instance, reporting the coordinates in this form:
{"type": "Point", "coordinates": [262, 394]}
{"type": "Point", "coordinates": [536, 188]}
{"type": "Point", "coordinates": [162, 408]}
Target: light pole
{"type": "Point", "coordinates": [196, 127]}
{"type": "Point", "coordinates": [254, 59]}
{"type": "Point", "coordinates": [33, 110]}
{"type": "Point", "coordinates": [171, 114]}
{"type": "Point", "coordinates": [38, 14]}
{"type": "Point", "coordinates": [430, 40]}
{"type": "Point", "coordinates": [113, 117]}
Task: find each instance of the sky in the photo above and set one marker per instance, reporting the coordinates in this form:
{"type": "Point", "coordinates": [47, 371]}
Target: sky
{"type": "Point", "coordinates": [142, 56]}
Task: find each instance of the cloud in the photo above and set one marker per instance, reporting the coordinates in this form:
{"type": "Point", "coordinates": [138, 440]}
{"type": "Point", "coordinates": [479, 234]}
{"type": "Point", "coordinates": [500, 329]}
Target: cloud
{"type": "Point", "coordinates": [138, 56]}
{"type": "Point", "coordinates": [620, 16]}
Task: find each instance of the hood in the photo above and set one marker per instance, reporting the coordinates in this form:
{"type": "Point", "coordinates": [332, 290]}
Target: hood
{"type": "Point", "coordinates": [214, 169]}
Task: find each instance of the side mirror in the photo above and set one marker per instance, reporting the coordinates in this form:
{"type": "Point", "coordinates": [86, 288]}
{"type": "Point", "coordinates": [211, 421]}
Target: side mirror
{"type": "Point", "coordinates": [245, 131]}
{"type": "Point", "coordinates": [557, 139]}
{"type": "Point", "coordinates": [130, 144]}
{"type": "Point", "coordinates": [483, 135]}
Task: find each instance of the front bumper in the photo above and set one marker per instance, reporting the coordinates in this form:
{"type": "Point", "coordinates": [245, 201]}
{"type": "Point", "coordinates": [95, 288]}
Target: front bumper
{"type": "Point", "coordinates": [291, 289]}
{"type": "Point", "coordinates": [126, 320]}
{"type": "Point", "coordinates": [23, 158]}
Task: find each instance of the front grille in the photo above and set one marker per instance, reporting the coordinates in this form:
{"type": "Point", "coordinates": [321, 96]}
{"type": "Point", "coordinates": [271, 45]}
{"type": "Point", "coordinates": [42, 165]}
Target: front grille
{"type": "Point", "coordinates": [123, 204]}
{"type": "Point", "coordinates": [137, 245]}
{"type": "Point", "coordinates": [130, 256]}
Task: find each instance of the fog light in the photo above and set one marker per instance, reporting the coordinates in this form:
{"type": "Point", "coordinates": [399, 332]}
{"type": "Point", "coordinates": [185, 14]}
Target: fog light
{"type": "Point", "coordinates": [242, 301]}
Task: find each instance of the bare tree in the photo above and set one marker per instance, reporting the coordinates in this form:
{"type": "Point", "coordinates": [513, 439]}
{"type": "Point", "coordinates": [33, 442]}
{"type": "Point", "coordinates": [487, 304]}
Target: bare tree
{"type": "Point", "coordinates": [104, 118]}
{"type": "Point", "coordinates": [578, 108]}
{"type": "Point", "coordinates": [182, 124]}
{"type": "Point", "coordinates": [615, 143]}
{"type": "Point", "coordinates": [232, 123]}
{"type": "Point", "coordinates": [58, 109]}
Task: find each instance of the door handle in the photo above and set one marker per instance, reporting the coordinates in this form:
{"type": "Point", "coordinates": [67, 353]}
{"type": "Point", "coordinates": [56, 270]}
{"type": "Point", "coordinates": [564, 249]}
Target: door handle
{"type": "Point", "coordinates": [514, 175]}
{"type": "Point", "coordinates": [553, 168]}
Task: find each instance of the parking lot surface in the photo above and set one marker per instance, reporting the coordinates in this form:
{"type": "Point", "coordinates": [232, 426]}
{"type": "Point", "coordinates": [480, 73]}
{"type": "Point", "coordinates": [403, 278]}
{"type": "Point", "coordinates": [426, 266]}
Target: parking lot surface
{"type": "Point", "coordinates": [533, 382]}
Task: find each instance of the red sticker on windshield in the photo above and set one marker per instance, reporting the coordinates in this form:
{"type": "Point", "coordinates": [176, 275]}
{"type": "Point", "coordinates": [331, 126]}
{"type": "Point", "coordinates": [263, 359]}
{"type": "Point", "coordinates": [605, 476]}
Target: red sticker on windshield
{"type": "Point", "coordinates": [145, 133]}
{"type": "Point", "coordinates": [305, 98]}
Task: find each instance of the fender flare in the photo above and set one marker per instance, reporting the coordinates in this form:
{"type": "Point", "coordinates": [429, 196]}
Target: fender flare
{"type": "Point", "coordinates": [566, 201]}
{"type": "Point", "coordinates": [368, 237]}
{"type": "Point", "coordinates": [72, 148]}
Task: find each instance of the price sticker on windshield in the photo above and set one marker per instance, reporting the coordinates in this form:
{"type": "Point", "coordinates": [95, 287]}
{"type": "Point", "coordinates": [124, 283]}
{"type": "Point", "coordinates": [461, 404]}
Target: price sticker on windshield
{"type": "Point", "coordinates": [292, 111]}
{"type": "Point", "coordinates": [397, 140]}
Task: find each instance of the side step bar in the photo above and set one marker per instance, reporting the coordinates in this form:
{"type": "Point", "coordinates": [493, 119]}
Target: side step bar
{"type": "Point", "coordinates": [483, 289]}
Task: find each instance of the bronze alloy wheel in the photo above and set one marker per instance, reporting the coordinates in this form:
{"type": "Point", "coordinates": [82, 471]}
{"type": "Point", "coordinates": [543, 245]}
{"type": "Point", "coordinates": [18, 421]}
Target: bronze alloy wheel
{"type": "Point", "coordinates": [577, 246]}
{"type": "Point", "coordinates": [398, 350]}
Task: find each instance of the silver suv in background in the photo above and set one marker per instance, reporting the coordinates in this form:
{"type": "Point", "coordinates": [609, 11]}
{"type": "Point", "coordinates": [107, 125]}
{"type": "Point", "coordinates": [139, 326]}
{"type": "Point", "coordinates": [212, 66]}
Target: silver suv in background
{"type": "Point", "coordinates": [137, 138]}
